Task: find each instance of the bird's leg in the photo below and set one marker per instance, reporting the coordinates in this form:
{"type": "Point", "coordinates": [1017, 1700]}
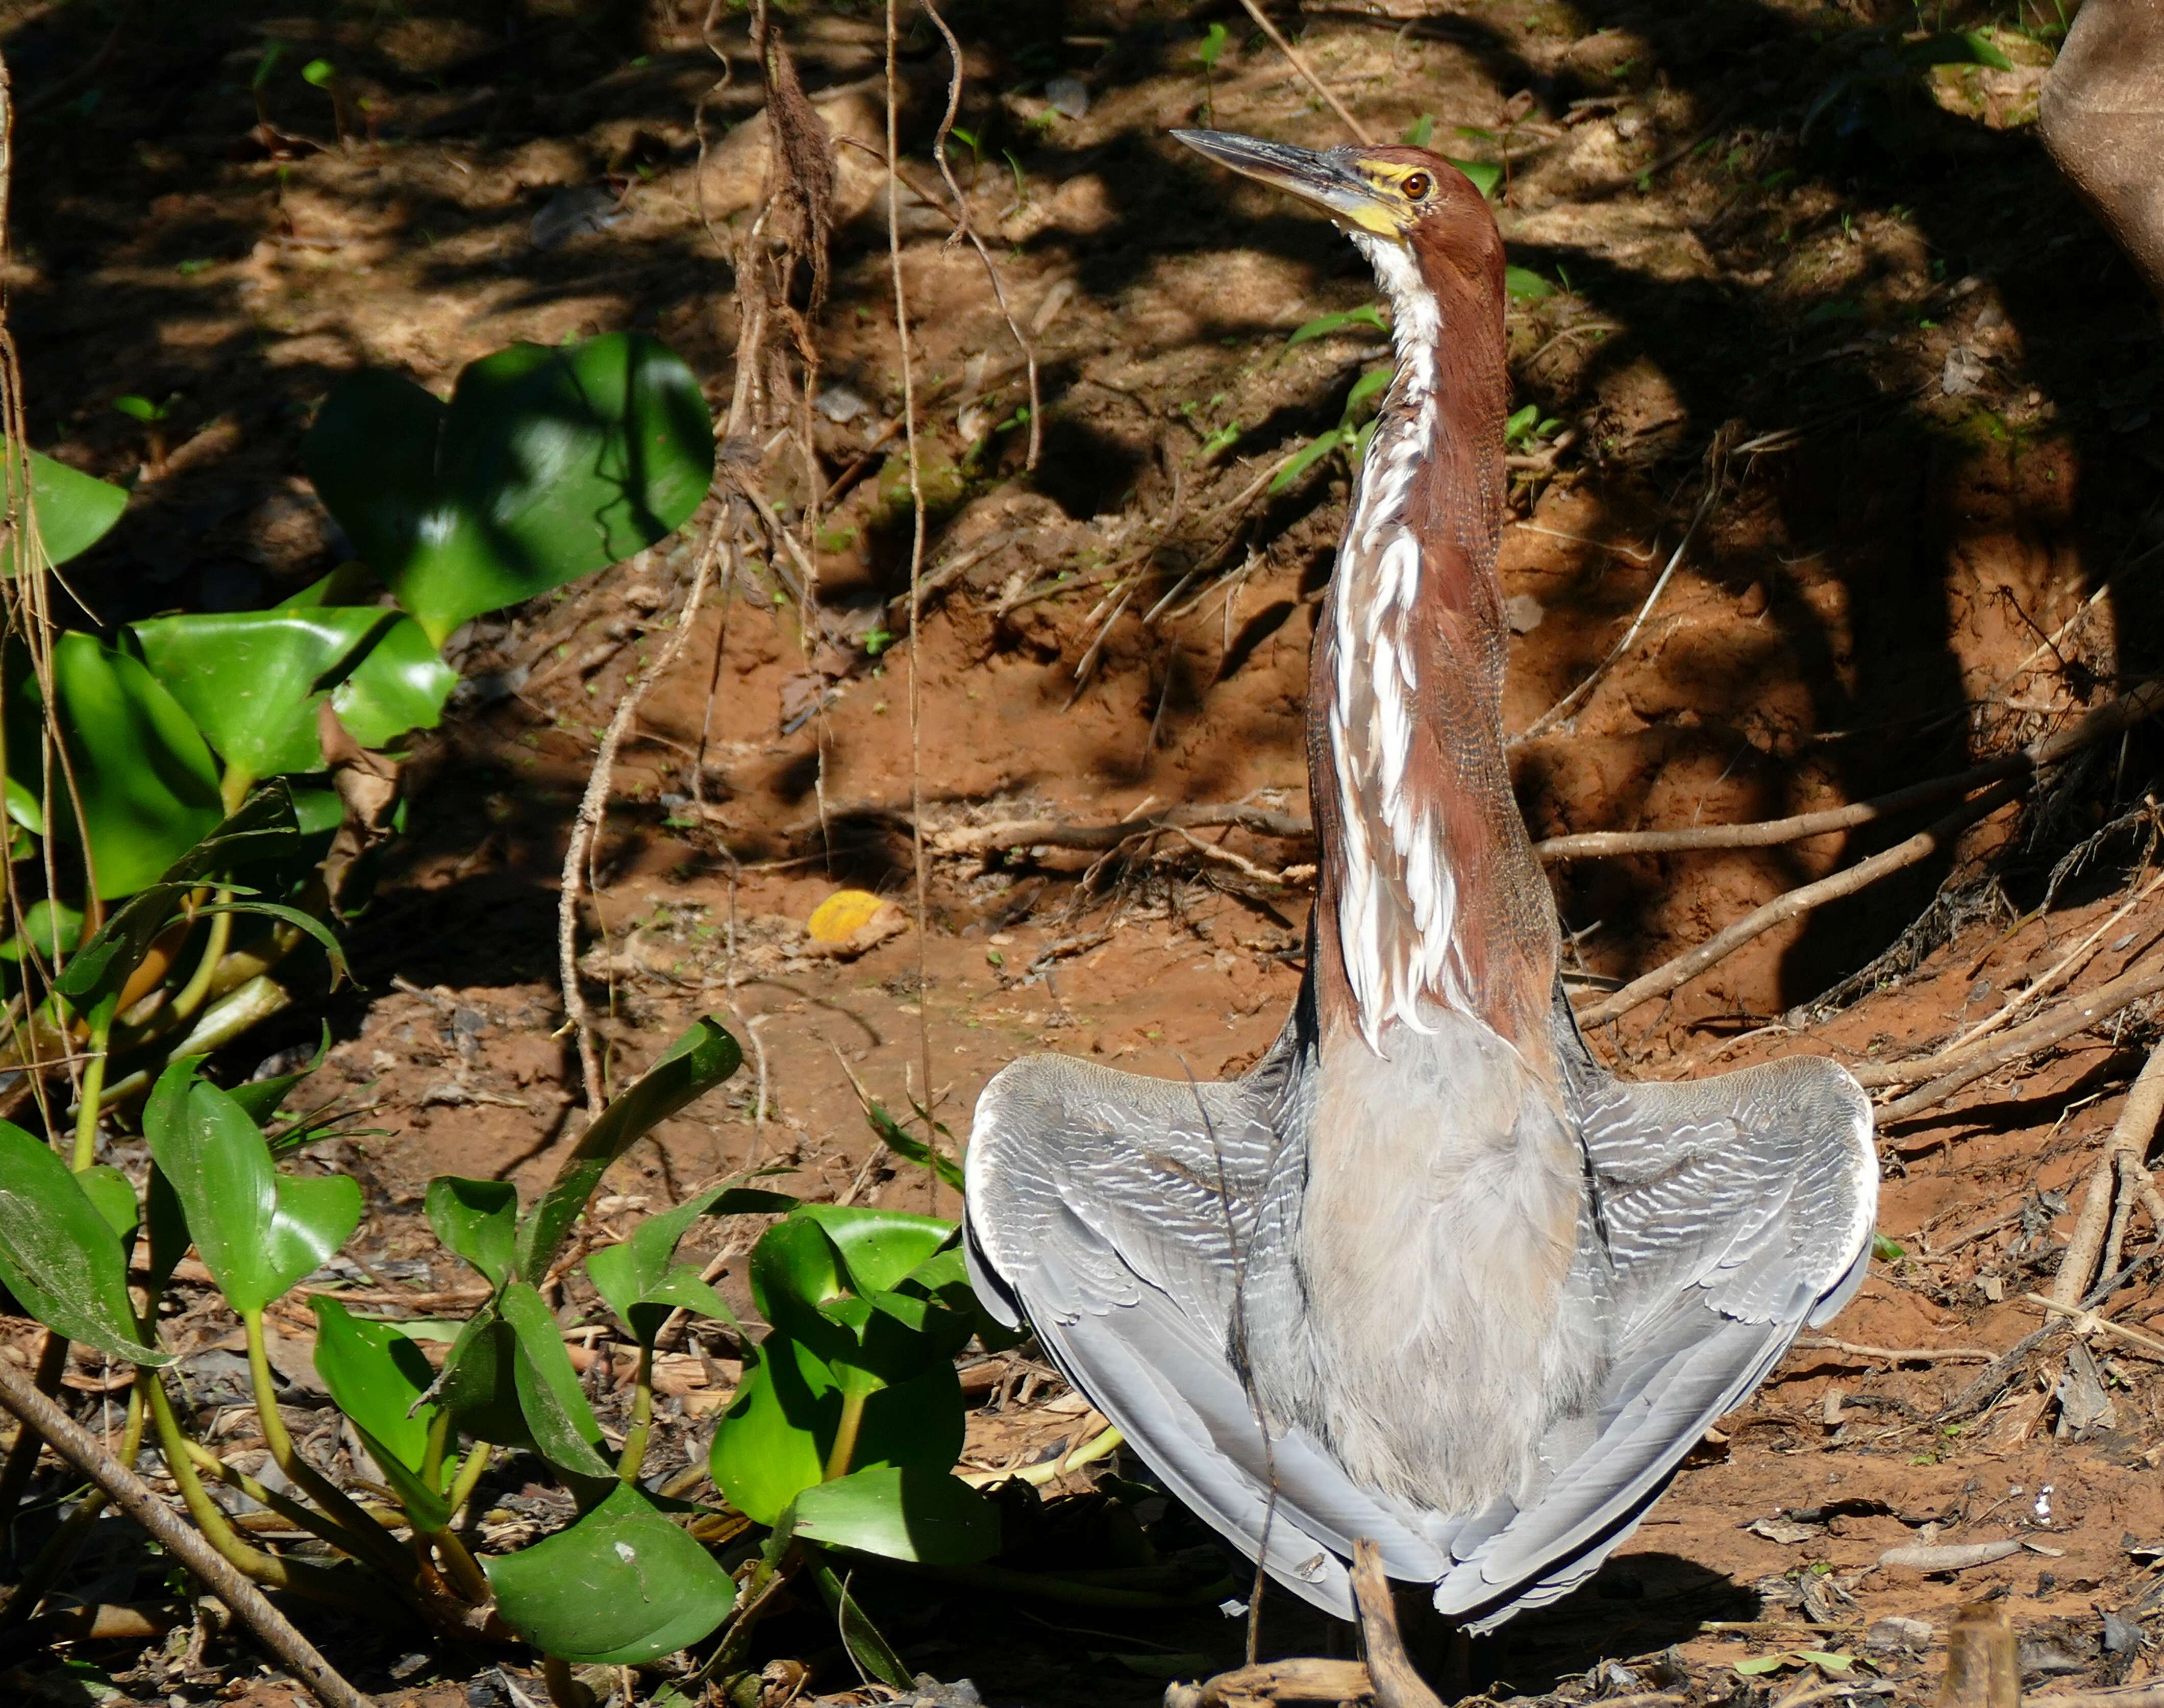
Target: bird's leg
{"type": "Point", "coordinates": [1394, 1683]}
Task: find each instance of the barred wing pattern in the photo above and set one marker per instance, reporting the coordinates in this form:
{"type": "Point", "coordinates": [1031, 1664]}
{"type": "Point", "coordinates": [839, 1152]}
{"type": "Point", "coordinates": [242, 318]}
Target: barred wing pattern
{"type": "Point", "coordinates": [1142, 1226]}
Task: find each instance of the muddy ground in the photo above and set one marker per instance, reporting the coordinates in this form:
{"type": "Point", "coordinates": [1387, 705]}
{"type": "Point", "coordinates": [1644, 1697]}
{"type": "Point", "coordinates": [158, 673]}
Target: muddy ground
{"type": "Point", "coordinates": [1935, 538]}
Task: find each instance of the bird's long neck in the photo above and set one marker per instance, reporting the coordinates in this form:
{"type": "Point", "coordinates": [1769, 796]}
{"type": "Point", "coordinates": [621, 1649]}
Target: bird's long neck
{"type": "Point", "coordinates": [1428, 892]}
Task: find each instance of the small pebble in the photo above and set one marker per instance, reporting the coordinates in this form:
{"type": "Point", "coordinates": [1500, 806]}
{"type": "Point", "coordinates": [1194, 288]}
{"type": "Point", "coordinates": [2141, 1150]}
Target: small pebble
{"type": "Point", "coordinates": [1068, 95]}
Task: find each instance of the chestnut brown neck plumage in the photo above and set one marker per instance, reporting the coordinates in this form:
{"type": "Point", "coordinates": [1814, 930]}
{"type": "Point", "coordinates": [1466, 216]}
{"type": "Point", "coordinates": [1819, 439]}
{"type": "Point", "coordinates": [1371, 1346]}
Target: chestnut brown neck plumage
{"type": "Point", "coordinates": [1428, 892]}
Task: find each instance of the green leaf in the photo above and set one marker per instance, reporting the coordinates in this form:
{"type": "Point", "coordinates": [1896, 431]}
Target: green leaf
{"type": "Point", "coordinates": [479, 1386]}
{"type": "Point", "coordinates": [878, 1248]}
{"type": "Point", "coordinates": [320, 72]}
{"type": "Point", "coordinates": [931, 1517]}
{"type": "Point", "coordinates": [1485, 177]}
{"type": "Point", "coordinates": [261, 1098]}
{"type": "Point", "coordinates": [399, 685]}
{"type": "Point", "coordinates": [1758, 1665]}
{"type": "Point", "coordinates": [1523, 285]}
{"type": "Point", "coordinates": [636, 1277]}
{"type": "Point", "coordinates": [478, 1220]}
{"type": "Point", "coordinates": [1520, 423]}
{"type": "Point", "coordinates": [59, 1254]}
{"type": "Point", "coordinates": [867, 1646]}
{"type": "Point", "coordinates": [1208, 50]}
{"type": "Point", "coordinates": [1366, 389]}
{"type": "Point", "coordinates": [549, 1398]}
{"type": "Point", "coordinates": [257, 1231]}
{"type": "Point", "coordinates": [49, 930]}
{"type": "Point", "coordinates": [306, 924]}
{"type": "Point", "coordinates": [1313, 452]}
{"type": "Point", "coordinates": [621, 1587]}
{"type": "Point", "coordinates": [1368, 315]}
{"type": "Point", "coordinates": [545, 465]}
{"type": "Point", "coordinates": [149, 787]}
{"type": "Point", "coordinates": [378, 1376]}
{"type": "Point", "coordinates": [690, 1068]}
{"type": "Point", "coordinates": [1886, 1250]}
{"type": "Point", "coordinates": [75, 510]}
{"type": "Point", "coordinates": [261, 826]}
{"type": "Point", "coordinates": [766, 1447]}
{"type": "Point", "coordinates": [115, 1194]}
{"type": "Point", "coordinates": [252, 680]}
{"type": "Point", "coordinates": [1420, 132]}
{"type": "Point", "coordinates": [141, 408]}
{"type": "Point", "coordinates": [1985, 51]}
{"type": "Point", "coordinates": [908, 1146]}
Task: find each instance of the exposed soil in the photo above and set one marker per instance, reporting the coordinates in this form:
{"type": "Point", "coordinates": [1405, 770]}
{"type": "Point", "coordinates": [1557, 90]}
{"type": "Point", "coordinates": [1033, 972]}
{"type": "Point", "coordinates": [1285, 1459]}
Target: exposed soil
{"type": "Point", "coordinates": [1936, 541]}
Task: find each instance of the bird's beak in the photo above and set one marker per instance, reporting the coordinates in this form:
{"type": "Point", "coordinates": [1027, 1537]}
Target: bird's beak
{"type": "Point", "coordinates": [1332, 182]}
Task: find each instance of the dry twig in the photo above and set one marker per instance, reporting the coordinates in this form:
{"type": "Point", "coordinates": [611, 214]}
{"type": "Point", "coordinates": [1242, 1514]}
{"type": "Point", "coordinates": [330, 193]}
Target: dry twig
{"type": "Point", "coordinates": [1799, 901]}
{"type": "Point", "coordinates": [1306, 1680]}
{"type": "Point", "coordinates": [1898, 1354]}
{"type": "Point", "coordinates": [1958, 1067]}
{"type": "Point", "coordinates": [1307, 75]}
{"type": "Point", "coordinates": [2121, 1165]}
{"type": "Point", "coordinates": [593, 806]}
{"type": "Point", "coordinates": [1051, 833]}
{"type": "Point", "coordinates": [131, 1495]}
{"type": "Point", "coordinates": [2088, 1322]}
{"type": "Point", "coordinates": [1394, 1683]}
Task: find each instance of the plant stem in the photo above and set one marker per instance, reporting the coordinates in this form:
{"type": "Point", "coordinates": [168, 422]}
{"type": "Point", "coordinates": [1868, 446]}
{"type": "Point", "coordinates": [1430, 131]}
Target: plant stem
{"type": "Point", "coordinates": [365, 1538]}
{"type": "Point", "coordinates": [93, 1085]}
{"type": "Point", "coordinates": [845, 1436]}
{"type": "Point", "coordinates": [564, 1689]}
{"type": "Point", "coordinates": [264, 1568]}
{"type": "Point", "coordinates": [432, 1455]}
{"type": "Point", "coordinates": [641, 1418]}
{"type": "Point", "coordinates": [192, 993]}
{"type": "Point", "coordinates": [293, 1511]}
{"type": "Point", "coordinates": [67, 1540]}
{"type": "Point", "coordinates": [470, 1474]}
{"type": "Point", "coordinates": [466, 1572]}
{"type": "Point", "coordinates": [22, 1456]}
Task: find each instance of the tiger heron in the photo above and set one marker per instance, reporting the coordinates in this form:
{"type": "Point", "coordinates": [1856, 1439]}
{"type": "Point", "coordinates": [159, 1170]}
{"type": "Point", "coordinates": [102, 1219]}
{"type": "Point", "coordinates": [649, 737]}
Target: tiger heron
{"type": "Point", "coordinates": [1428, 1275]}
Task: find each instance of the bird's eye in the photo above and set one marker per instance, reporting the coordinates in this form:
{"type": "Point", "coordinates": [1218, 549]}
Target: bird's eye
{"type": "Point", "coordinates": [1417, 185]}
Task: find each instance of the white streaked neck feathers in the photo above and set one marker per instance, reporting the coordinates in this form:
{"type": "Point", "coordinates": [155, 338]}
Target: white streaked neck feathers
{"type": "Point", "coordinates": [1394, 854]}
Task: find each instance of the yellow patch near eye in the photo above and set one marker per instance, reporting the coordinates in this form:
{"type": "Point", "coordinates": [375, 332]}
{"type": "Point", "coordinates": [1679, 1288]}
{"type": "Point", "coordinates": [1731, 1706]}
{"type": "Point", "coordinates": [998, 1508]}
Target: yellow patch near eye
{"type": "Point", "coordinates": [1372, 216]}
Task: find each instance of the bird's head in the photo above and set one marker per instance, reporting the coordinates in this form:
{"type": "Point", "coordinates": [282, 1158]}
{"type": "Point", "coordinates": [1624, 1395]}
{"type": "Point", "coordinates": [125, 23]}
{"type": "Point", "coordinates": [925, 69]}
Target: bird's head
{"type": "Point", "coordinates": [1402, 195]}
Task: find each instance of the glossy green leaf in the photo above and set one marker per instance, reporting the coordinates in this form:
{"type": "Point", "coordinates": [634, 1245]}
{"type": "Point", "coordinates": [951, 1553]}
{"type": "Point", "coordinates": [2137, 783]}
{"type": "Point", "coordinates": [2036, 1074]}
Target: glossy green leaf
{"type": "Point", "coordinates": [767, 1446]}
{"type": "Point", "coordinates": [479, 1385]}
{"type": "Point", "coordinates": [478, 1220]}
{"type": "Point", "coordinates": [545, 465]}
{"type": "Point", "coordinates": [550, 1397]}
{"type": "Point", "coordinates": [399, 684]}
{"type": "Point", "coordinates": [75, 510]}
{"type": "Point", "coordinates": [377, 1376]}
{"type": "Point", "coordinates": [878, 1248]}
{"type": "Point", "coordinates": [148, 785]}
{"type": "Point", "coordinates": [621, 1587]}
{"type": "Point", "coordinates": [59, 1254]}
{"type": "Point", "coordinates": [640, 1278]}
{"type": "Point", "coordinates": [1366, 389]}
{"type": "Point", "coordinates": [167, 1225]}
{"type": "Point", "coordinates": [929, 1517]}
{"type": "Point", "coordinates": [693, 1066]}
{"type": "Point", "coordinates": [252, 680]}
{"type": "Point", "coordinates": [264, 826]}
{"type": "Point", "coordinates": [115, 1194]}
{"type": "Point", "coordinates": [257, 1231]}
{"type": "Point", "coordinates": [306, 924]}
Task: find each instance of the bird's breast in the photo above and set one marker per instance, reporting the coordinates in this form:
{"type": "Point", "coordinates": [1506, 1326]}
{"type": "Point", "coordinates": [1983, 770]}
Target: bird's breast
{"type": "Point", "coordinates": [1439, 1228]}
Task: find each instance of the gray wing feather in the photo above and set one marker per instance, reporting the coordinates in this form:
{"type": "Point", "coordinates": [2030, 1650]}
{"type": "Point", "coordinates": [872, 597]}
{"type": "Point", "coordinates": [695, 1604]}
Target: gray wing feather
{"type": "Point", "coordinates": [1735, 1210]}
{"type": "Point", "coordinates": [1116, 1209]}
{"type": "Point", "coordinates": [1094, 1202]}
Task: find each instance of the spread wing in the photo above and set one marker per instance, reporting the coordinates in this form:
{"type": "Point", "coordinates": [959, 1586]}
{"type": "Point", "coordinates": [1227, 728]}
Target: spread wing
{"type": "Point", "coordinates": [1734, 1211]}
{"type": "Point", "coordinates": [1119, 1212]}
{"type": "Point", "coordinates": [1125, 1214]}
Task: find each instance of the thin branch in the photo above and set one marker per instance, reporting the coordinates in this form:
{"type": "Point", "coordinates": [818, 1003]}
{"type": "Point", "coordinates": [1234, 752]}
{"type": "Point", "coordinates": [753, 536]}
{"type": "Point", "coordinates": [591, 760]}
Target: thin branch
{"type": "Point", "coordinates": [1796, 902]}
{"type": "Point", "coordinates": [2131, 1136]}
{"type": "Point", "coordinates": [1958, 1067]}
{"type": "Point", "coordinates": [131, 1495]}
{"type": "Point", "coordinates": [916, 577]}
{"type": "Point", "coordinates": [1898, 1354]}
{"type": "Point", "coordinates": [593, 806]}
{"type": "Point", "coordinates": [2087, 1322]}
{"type": "Point", "coordinates": [1313, 82]}
{"type": "Point", "coordinates": [964, 227]}
{"type": "Point", "coordinates": [1032, 832]}
{"type": "Point", "coordinates": [1395, 1684]}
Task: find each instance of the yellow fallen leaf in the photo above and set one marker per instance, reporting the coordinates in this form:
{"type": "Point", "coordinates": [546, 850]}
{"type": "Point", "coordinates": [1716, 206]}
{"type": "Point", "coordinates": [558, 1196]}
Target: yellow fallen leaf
{"type": "Point", "coordinates": [842, 915]}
